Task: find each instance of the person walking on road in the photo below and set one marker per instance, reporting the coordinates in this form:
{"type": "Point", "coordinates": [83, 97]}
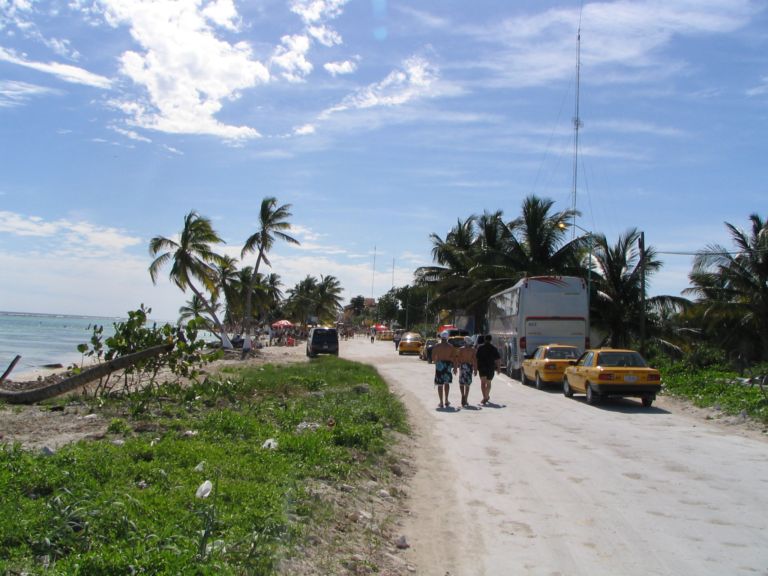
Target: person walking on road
{"type": "Point", "coordinates": [396, 338]}
{"type": "Point", "coordinates": [467, 363]}
{"type": "Point", "coordinates": [488, 364]}
{"type": "Point", "coordinates": [444, 357]}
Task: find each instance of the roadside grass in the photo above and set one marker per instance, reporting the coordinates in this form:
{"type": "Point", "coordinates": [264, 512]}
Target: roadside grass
{"type": "Point", "coordinates": [716, 388]}
{"type": "Point", "coordinates": [212, 478]}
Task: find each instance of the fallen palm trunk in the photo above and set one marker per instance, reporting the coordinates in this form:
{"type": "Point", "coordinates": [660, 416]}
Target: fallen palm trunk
{"type": "Point", "coordinates": [89, 375]}
{"type": "Point", "coordinates": [12, 365]}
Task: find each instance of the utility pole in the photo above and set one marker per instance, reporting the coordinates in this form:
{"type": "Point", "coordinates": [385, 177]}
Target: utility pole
{"type": "Point", "coordinates": [642, 293]}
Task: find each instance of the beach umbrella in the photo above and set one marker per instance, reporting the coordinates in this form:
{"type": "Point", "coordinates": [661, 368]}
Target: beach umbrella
{"type": "Point", "coordinates": [282, 324]}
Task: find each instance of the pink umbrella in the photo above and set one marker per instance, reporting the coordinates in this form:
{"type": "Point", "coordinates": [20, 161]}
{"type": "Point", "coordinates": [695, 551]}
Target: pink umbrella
{"type": "Point", "coordinates": [282, 324]}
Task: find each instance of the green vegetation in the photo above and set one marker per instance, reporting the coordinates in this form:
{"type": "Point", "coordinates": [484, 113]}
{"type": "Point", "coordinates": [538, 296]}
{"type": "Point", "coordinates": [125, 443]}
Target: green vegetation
{"type": "Point", "coordinates": [210, 478]}
{"type": "Point", "coordinates": [717, 387]}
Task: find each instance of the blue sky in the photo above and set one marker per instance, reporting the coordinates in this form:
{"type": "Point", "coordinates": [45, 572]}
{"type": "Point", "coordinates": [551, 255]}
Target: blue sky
{"type": "Point", "coordinates": [380, 121]}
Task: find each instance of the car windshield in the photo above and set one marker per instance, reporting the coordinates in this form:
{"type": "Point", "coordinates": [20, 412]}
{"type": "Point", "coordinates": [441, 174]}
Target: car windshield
{"type": "Point", "coordinates": [621, 359]}
{"type": "Point", "coordinates": [562, 354]}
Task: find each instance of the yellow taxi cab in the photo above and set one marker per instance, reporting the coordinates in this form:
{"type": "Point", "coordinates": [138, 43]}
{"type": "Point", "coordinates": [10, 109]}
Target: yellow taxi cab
{"type": "Point", "coordinates": [607, 372]}
{"type": "Point", "coordinates": [410, 343]}
{"type": "Point", "coordinates": [547, 364]}
{"type": "Point", "coordinates": [385, 335]}
{"type": "Point", "coordinates": [426, 350]}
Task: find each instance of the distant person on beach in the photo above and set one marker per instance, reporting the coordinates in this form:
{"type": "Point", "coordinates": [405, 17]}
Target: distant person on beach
{"type": "Point", "coordinates": [444, 357]}
{"type": "Point", "coordinates": [467, 363]}
{"type": "Point", "coordinates": [488, 364]}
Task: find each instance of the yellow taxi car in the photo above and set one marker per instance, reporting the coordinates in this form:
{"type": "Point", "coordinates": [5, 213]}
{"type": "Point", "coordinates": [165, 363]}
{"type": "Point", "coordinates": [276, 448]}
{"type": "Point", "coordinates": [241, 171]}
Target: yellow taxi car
{"type": "Point", "coordinates": [548, 364]}
{"type": "Point", "coordinates": [607, 372]}
{"type": "Point", "coordinates": [410, 343]}
{"type": "Point", "coordinates": [385, 335]}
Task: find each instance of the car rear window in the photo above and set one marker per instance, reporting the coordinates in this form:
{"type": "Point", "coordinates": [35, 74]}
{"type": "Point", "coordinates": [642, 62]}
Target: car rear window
{"type": "Point", "coordinates": [323, 335]}
{"type": "Point", "coordinates": [562, 354]}
{"type": "Point", "coordinates": [621, 359]}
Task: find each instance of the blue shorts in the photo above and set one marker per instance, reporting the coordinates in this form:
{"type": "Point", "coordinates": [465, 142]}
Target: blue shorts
{"type": "Point", "coordinates": [443, 372]}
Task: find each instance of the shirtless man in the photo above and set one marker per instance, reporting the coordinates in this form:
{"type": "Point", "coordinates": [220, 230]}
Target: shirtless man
{"type": "Point", "coordinates": [467, 362]}
{"type": "Point", "coordinates": [444, 357]}
{"type": "Point", "coordinates": [488, 363]}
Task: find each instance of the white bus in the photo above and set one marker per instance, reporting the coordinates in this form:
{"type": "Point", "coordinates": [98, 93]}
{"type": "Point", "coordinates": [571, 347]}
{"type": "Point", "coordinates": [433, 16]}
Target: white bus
{"type": "Point", "coordinates": [538, 310]}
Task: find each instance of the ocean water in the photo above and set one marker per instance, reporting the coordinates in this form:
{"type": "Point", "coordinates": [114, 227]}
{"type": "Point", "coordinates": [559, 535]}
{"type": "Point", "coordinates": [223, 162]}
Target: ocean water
{"type": "Point", "coordinates": [43, 339]}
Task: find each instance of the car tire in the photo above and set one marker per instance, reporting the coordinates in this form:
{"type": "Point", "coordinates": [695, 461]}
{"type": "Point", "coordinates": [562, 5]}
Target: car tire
{"type": "Point", "coordinates": [592, 396]}
{"type": "Point", "coordinates": [567, 390]}
{"type": "Point", "coordinates": [539, 383]}
{"type": "Point", "coordinates": [647, 401]}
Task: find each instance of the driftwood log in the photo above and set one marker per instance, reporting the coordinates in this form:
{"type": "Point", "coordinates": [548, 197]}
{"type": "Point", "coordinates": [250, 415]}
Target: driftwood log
{"type": "Point", "coordinates": [88, 375]}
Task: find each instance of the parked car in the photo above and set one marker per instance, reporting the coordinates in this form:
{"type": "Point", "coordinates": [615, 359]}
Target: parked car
{"type": "Point", "coordinates": [456, 341]}
{"type": "Point", "coordinates": [548, 364]}
{"type": "Point", "coordinates": [410, 343]}
{"type": "Point", "coordinates": [609, 372]}
{"type": "Point", "coordinates": [426, 350]}
{"type": "Point", "coordinates": [385, 335]}
{"type": "Point", "coordinates": [322, 340]}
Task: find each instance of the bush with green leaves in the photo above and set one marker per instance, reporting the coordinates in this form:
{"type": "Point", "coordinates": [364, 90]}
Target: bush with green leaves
{"type": "Point", "coordinates": [188, 354]}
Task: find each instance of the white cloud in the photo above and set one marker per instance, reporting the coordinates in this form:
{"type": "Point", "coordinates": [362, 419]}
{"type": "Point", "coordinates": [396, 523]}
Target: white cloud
{"type": "Point", "coordinates": [304, 233]}
{"type": "Point", "coordinates": [305, 130]}
{"type": "Point", "coordinates": [760, 89]}
{"type": "Point", "coordinates": [65, 72]}
{"type": "Point", "coordinates": [291, 57]}
{"type": "Point", "coordinates": [619, 39]}
{"type": "Point", "coordinates": [633, 127]}
{"type": "Point", "coordinates": [414, 80]}
{"type": "Point", "coordinates": [312, 11]}
{"type": "Point", "coordinates": [16, 224]}
{"type": "Point", "coordinates": [80, 237]}
{"type": "Point", "coordinates": [326, 36]}
{"type": "Point", "coordinates": [79, 267]}
{"type": "Point", "coordinates": [187, 71]}
{"type": "Point", "coordinates": [340, 68]}
{"type": "Point", "coordinates": [132, 134]}
{"type": "Point", "coordinates": [425, 19]}
{"type": "Point", "coordinates": [17, 93]}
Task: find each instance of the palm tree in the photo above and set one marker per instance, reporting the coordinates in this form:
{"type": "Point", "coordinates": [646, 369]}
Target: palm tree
{"type": "Point", "coordinates": [733, 287]}
{"type": "Point", "coordinates": [328, 297]}
{"type": "Point", "coordinates": [192, 309]}
{"type": "Point", "coordinates": [227, 280]}
{"type": "Point", "coordinates": [300, 305]}
{"type": "Point", "coordinates": [455, 258]}
{"type": "Point", "coordinates": [272, 226]}
{"type": "Point", "coordinates": [267, 295]}
{"type": "Point", "coordinates": [539, 245]}
{"type": "Point", "coordinates": [191, 259]}
{"type": "Point", "coordinates": [483, 255]}
{"type": "Point", "coordinates": [619, 284]}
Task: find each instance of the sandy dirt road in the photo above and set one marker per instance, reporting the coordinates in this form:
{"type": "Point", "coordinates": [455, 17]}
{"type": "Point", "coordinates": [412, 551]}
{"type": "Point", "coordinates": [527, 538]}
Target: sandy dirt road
{"type": "Point", "coordinates": [540, 484]}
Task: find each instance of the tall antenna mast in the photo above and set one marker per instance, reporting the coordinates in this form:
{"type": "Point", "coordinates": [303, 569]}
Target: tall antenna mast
{"type": "Point", "coordinates": [373, 270]}
{"type": "Point", "coordinates": [576, 126]}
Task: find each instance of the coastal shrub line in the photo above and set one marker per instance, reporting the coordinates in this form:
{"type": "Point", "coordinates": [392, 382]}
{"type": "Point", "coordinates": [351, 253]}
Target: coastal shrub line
{"type": "Point", "coordinates": [719, 388]}
{"type": "Point", "coordinates": [212, 478]}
